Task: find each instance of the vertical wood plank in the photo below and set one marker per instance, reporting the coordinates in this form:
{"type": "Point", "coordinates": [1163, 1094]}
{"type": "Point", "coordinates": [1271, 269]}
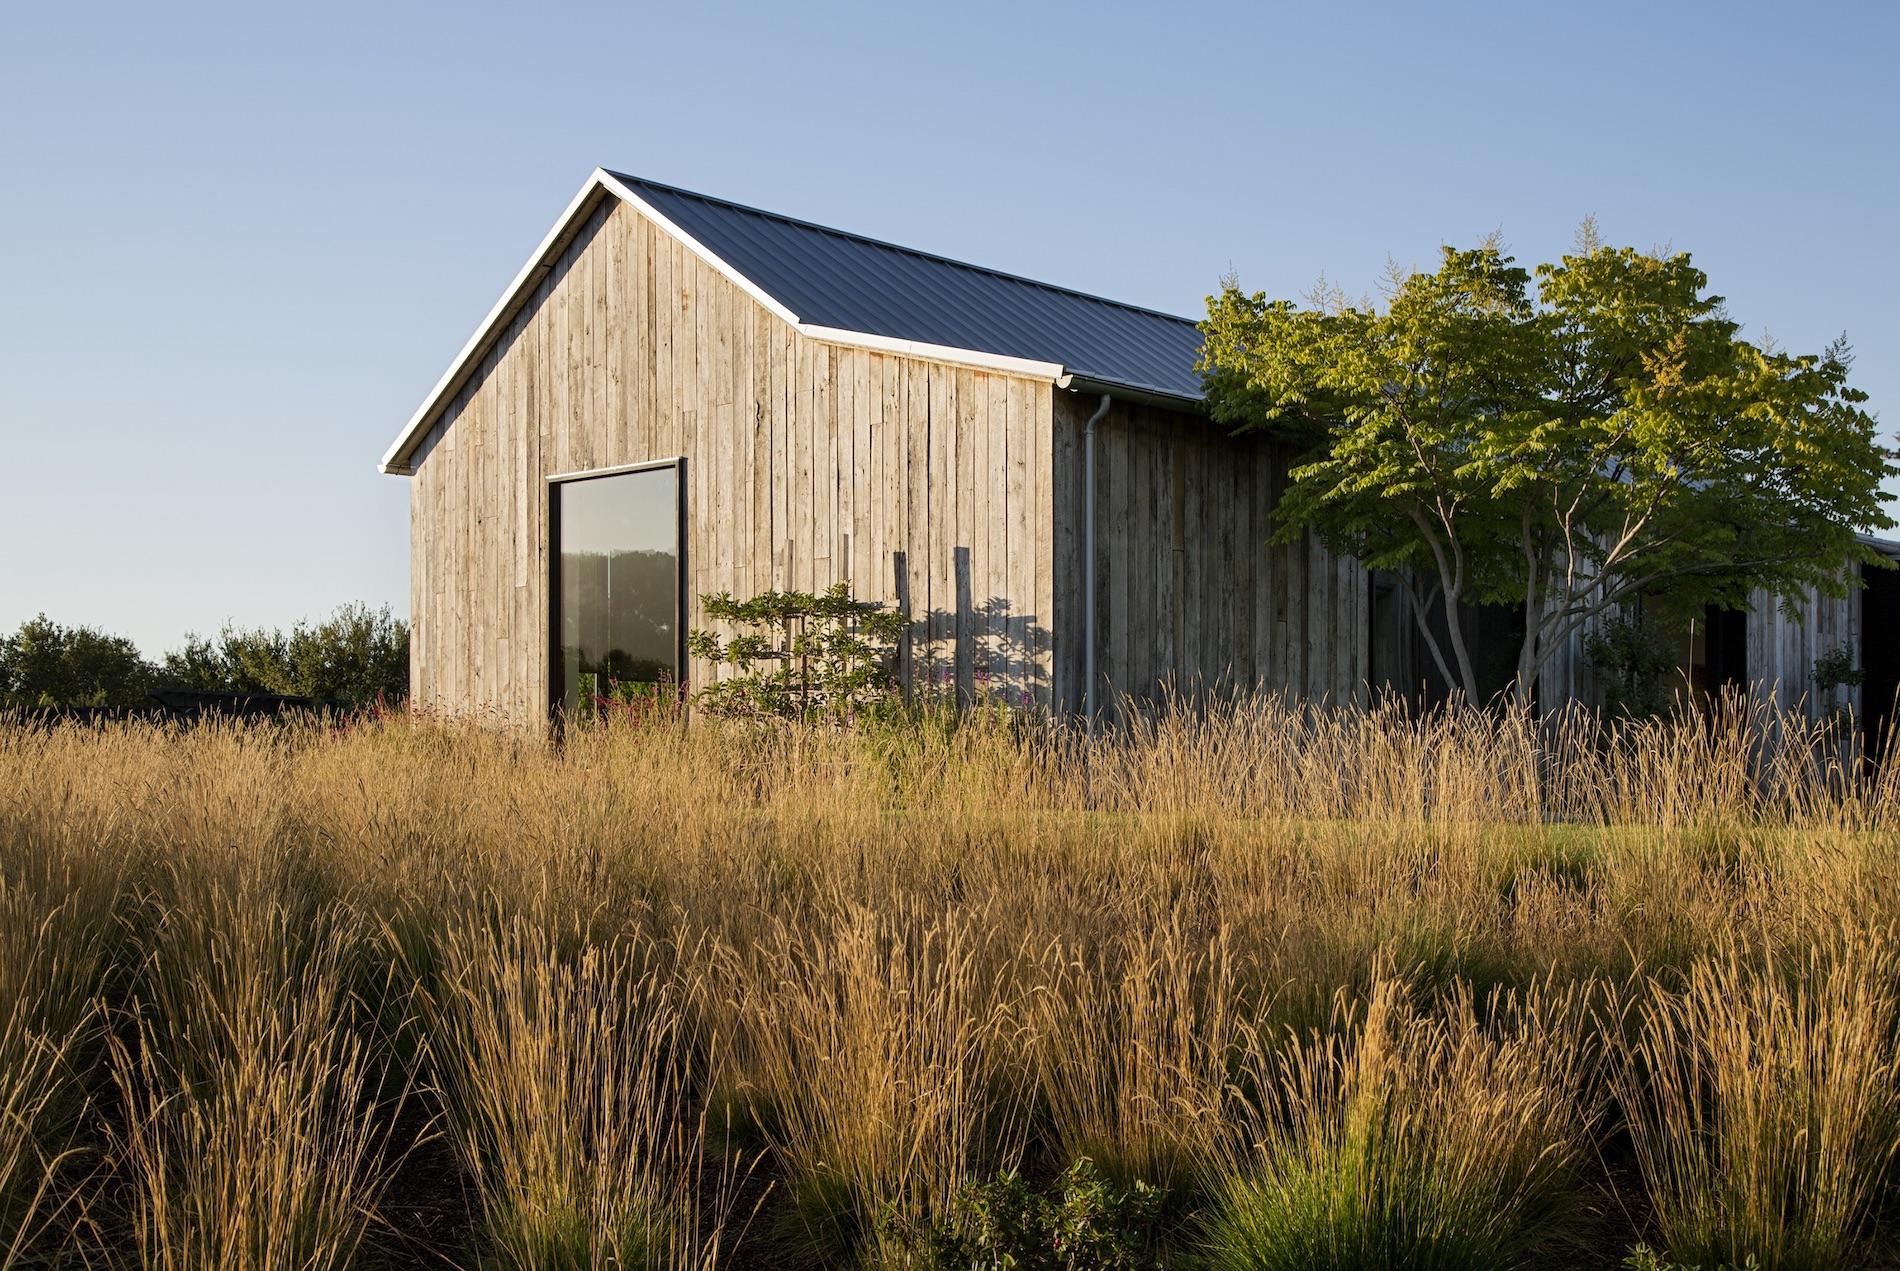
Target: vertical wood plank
{"type": "Point", "coordinates": [1113, 510]}
{"type": "Point", "coordinates": [992, 586]}
{"type": "Point", "coordinates": [1040, 425]}
{"type": "Point", "coordinates": [940, 517]}
{"type": "Point", "coordinates": [862, 477]}
{"type": "Point", "coordinates": [804, 430]}
{"type": "Point", "coordinates": [964, 562]}
{"type": "Point", "coordinates": [916, 468]}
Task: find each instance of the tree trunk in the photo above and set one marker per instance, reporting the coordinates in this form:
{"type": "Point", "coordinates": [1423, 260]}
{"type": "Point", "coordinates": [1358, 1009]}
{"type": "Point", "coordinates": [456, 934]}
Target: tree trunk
{"type": "Point", "coordinates": [1529, 661]}
{"type": "Point", "coordinates": [1422, 621]}
{"type": "Point", "coordinates": [1454, 628]}
{"type": "Point", "coordinates": [1456, 671]}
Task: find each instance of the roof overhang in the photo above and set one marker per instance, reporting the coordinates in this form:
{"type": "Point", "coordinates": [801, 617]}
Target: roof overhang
{"type": "Point", "coordinates": [1890, 548]}
{"type": "Point", "coordinates": [1133, 393]}
{"type": "Point", "coordinates": [602, 184]}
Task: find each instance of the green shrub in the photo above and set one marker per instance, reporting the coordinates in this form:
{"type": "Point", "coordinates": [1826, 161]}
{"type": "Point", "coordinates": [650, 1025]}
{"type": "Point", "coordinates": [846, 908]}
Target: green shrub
{"type": "Point", "coordinates": [1635, 658]}
{"type": "Point", "coordinates": [1084, 1223]}
{"type": "Point", "coordinates": [798, 656]}
{"type": "Point", "coordinates": [1833, 671]}
{"type": "Point", "coordinates": [1644, 1258]}
{"type": "Point", "coordinates": [356, 657]}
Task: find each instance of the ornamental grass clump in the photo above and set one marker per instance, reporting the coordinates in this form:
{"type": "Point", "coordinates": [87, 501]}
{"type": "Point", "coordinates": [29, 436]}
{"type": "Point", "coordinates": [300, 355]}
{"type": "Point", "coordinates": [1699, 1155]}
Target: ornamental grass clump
{"type": "Point", "coordinates": [566, 1083]}
{"type": "Point", "coordinates": [1131, 1039]}
{"type": "Point", "coordinates": [51, 957]}
{"type": "Point", "coordinates": [1761, 1099]}
{"type": "Point", "coordinates": [252, 1137]}
{"type": "Point", "coordinates": [1407, 1137]}
{"type": "Point", "coordinates": [870, 1049]}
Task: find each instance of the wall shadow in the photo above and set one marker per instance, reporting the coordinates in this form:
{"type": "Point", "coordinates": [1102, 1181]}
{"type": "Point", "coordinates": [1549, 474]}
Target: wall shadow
{"type": "Point", "coordinates": [973, 650]}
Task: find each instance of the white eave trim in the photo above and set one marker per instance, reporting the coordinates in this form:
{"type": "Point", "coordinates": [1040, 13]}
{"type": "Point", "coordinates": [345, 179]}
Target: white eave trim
{"type": "Point", "coordinates": [396, 459]}
{"type": "Point", "coordinates": [1050, 371]}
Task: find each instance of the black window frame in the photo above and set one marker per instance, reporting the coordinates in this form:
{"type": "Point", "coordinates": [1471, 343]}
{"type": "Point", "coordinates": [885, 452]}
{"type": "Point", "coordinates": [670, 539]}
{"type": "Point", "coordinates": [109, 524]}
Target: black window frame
{"type": "Point", "coordinates": [557, 689]}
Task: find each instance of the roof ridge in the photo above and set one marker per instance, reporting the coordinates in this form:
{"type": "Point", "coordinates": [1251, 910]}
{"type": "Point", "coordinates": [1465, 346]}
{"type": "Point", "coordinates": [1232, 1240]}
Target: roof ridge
{"type": "Point", "coordinates": [899, 247]}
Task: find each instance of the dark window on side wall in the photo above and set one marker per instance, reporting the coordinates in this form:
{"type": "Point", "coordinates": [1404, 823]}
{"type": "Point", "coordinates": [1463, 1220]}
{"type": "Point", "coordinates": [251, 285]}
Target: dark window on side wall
{"type": "Point", "coordinates": [616, 588]}
{"type": "Point", "coordinates": [1715, 650]}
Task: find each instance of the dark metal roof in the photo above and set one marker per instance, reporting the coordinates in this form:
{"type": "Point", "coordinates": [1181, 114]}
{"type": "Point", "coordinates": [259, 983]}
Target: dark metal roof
{"type": "Point", "coordinates": [829, 278]}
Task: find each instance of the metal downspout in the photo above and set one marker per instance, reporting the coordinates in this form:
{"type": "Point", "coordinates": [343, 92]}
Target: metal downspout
{"type": "Point", "coordinates": [1088, 561]}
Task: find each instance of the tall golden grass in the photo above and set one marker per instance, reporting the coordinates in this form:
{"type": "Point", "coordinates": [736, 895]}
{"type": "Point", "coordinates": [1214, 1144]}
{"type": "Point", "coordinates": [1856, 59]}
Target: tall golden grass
{"type": "Point", "coordinates": [1351, 987]}
{"type": "Point", "coordinates": [246, 1135]}
{"type": "Point", "coordinates": [49, 970]}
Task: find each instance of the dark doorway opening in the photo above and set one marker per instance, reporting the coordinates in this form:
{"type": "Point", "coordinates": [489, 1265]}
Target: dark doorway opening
{"type": "Point", "coordinates": [1879, 654]}
{"type": "Point", "coordinates": [1401, 660]}
{"type": "Point", "coordinates": [1716, 656]}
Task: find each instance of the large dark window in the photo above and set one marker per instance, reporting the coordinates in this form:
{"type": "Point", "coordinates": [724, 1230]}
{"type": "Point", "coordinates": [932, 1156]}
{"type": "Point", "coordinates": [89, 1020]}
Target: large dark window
{"type": "Point", "coordinates": [617, 587]}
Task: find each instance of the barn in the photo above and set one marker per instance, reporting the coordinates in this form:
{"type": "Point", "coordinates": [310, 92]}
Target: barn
{"type": "Point", "coordinates": [680, 396]}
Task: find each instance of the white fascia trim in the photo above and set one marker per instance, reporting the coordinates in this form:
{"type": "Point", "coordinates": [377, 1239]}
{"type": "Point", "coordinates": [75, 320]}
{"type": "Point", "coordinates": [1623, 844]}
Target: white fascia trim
{"type": "Point", "coordinates": [391, 462]}
{"type": "Point", "coordinates": [1051, 371]}
{"type": "Point", "coordinates": [693, 245]}
{"type": "Point", "coordinates": [394, 463]}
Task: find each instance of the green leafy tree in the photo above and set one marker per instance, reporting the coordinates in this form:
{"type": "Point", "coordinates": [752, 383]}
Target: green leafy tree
{"type": "Point", "coordinates": [356, 656]}
{"type": "Point", "coordinates": [44, 664]}
{"type": "Point", "coordinates": [235, 661]}
{"type": "Point", "coordinates": [1563, 441]}
{"type": "Point", "coordinates": [798, 655]}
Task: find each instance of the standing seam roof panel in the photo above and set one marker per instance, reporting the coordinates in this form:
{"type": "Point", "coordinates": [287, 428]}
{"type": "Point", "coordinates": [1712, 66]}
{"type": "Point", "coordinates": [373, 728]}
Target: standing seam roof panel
{"type": "Point", "coordinates": [833, 279]}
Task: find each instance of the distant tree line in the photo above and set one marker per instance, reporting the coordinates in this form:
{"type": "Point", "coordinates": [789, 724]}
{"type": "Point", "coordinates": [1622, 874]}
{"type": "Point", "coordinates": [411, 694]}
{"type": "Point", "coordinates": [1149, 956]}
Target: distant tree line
{"type": "Point", "coordinates": [356, 656]}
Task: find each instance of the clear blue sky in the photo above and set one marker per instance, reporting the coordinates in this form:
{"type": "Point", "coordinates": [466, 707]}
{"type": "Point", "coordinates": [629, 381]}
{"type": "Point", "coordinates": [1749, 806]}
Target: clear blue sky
{"type": "Point", "coordinates": [237, 244]}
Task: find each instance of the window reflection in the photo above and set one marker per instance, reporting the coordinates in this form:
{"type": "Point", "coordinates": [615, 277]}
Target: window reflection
{"type": "Point", "coordinates": [619, 588]}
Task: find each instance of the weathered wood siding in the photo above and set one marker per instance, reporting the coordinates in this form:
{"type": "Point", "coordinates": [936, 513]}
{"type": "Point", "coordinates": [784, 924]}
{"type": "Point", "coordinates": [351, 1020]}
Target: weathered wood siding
{"type": "Point", "coordinates": [1783, 646]}
{"type": "Point", "coordinates": [1782, 643]}
{"type": "Point", "coordinates": [1188, 589]}
{"type": "Point", "coordinates": [921, 484]}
